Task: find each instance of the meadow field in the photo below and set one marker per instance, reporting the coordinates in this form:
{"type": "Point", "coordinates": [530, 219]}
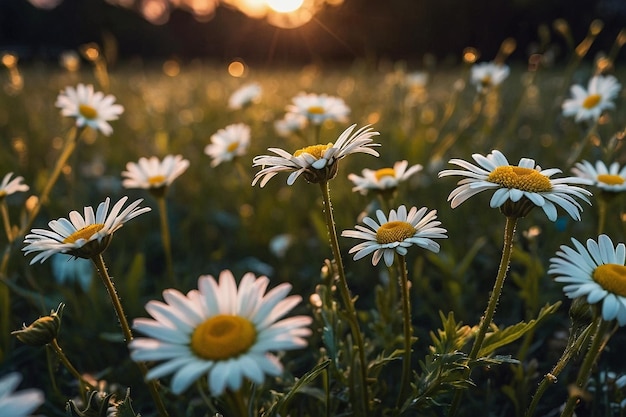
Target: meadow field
{"type": "Point", "coordinates": [216, 220]}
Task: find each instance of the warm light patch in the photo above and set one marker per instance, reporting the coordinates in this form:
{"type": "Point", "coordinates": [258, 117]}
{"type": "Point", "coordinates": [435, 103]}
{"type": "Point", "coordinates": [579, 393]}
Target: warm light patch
{"type": "Point", "coordinates": [384, 172]}
{"type": "Point", "coordinates": [525, 179]}
{"type": "Point", "coordinates": [395, 231]}
{"type": "Point", "coordinates": [223, 337]}
{"type": "Point", "coordinates": [611, 277]}
{"type": "Point", "coordinates": [85, 233]}
{"type": "Point", "coordinates": [317, 151]}
{"type": "Point", "coordinates": [610, 179]}
{"type": "Point", "coordinates": [88, 112]}
{"type": "Point", "coordinates": [171, 68]}
{"type": "Point", "coordinates": [9, 60]}
{"type": "Point", "coordinates": [285, 6]}
{"type": "Point", "coordinates": [592, 101]}
{"type": "Point", "coordinates": [236, 69]}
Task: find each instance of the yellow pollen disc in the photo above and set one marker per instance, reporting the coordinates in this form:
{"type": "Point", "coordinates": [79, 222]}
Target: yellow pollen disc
{"type": "Point", "coordinates": [592, 101]}
{"type": "Point", "coordinates": [395, 231]}
{"type": "Point", "coordinates": [3, 193]}
{"type": "Point", "coordinates": [525, 179]}
{"type": "Point", "coordinates": [611, 277]}
{"type": "Point", "coordinates": [316, 110]}
{"type": "Point", "coordinates": [87, 111]}
{"type": "Point", "coordinates": [157, 179]}
{"type": "Point", "coordinates": [223, 337]}
{"type": "Point", "coordinates": [317, 151]}
{"type": "Point", "coordinates": [610, 179]}
{"type": "Point", "coordinates": [486, 80]}
{"type": "Point", "coordinates": [385, 172]}
{"type": "Point", "coordinates": [232, 147]}
{"type": "Point", "coordinates": [84, 233]}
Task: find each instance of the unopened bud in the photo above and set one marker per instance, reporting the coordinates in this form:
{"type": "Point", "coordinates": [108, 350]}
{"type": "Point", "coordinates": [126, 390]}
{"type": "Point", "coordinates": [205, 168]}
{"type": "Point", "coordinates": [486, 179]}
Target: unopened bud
{"type": "Point", "coordinates": [43, 330]}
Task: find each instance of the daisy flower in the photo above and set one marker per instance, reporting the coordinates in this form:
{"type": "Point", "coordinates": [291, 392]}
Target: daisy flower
{"type": "Point", "coordinates": [384, 179]}
{"type": "Point", "coordinates": [611, 179]}
{"type": "Point", "coordinates": [590, 103]}
{"type": "Point", "coordinates": [220, 331]}
{"type": "Point", "coordinates": [396, 233]}
{"type": "Point", "coordinates": [244, 96]}
{"type": "Point", "coordinates": [228, 143]}
{"type": "Point", "coordinates": [318, 163]}
{"type": "Point", "coordinates": [9, 186]}
{"type": "Point", "coordinates": [517, 188]}
{"type": "Point", "coordinates": [486, 75]}
{"type": "Point", "coordinates": [17, 403]}
{"type": "Point", "coordinates": [319, 108]}
{"type": "Point", "coordinates": [290, 124]}
{"type": "Point", "coordinates": [81, 236]}
{"type": "Point", "coordinates": [596, 272]}
{"type": "Point", "coordinates": [90, 108]}
{"type": "Point", "coordinates": [152, 174]}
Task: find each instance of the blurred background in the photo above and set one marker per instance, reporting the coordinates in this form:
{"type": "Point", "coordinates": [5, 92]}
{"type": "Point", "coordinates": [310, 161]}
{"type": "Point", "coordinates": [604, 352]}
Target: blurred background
{"type": "Point", "coordinates": [297, 31]}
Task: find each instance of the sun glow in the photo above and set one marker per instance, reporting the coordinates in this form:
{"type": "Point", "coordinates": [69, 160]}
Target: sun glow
{"type": "Point", "coordinates": [285, 6]}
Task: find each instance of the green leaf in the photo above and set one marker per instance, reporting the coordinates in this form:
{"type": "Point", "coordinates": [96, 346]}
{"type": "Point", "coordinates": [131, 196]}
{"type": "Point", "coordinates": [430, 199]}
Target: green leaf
{"type": "Point", "coordinates": [125, 408]}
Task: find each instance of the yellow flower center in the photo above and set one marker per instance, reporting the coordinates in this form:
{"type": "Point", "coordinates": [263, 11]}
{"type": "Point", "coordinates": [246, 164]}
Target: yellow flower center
{"type": "Point", "coordinates": [525, 179]}
{"type": "Point", "coordinates": [3, 193]}
{"type": "Point", "coordinates": [223, 337]}
{"type": "Point", "coordinates": [87, 111]}
{"type": "Point", "coordinates": [592, 101]}
{"type": "Point", "coordinates": [385, 172]}
{"type": "Point", "coordinates": [316, 110]}
{"type": "Point", "coordinates": [317, 151]}
{"type": "Point", "coordinates": [395, 231]}
{"type": "Point", "coordinates": [611, 277]}
{"type": "Point", "coordinates": [610, 179]}
{"type": "Point", "coordinates": [486, 80]}
{"type": "Point", "coordinates": [156, 180]}
{"type": "Point", "coordinates": [84, 233]}
{"type": "Point", "coordinates": [232, 147]}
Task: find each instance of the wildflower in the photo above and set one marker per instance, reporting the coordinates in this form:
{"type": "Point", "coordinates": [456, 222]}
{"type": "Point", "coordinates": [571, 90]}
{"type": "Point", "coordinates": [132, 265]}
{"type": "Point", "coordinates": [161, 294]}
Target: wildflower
{"type": "Point", "coordinates": [20, 403]}
{"type": "Point", "coordinates": [318, 163]}
{"type": "Point", "coordinates": [611, 179]}
{"type": "Point", "coordinates": [596, 272]}
{"type": "Point", "coordinates": [68, 270]}
{"type": "Point", "coordinates": [228, 143]}
{"type": "Point", "coordinates": [385, 179]}
{"type": "Point", "coordinates": [152, 174]}
{"type": "Point", "coordinates": [519, 188]}
{"type": "Point", "coordinates": [90, 108]}
{"type": "Point", "coordinates": [396, 233]}
{"type": "Point", "coordinates": [590, 103]}
{"type": "Point", "coordinates": [81, 236]}
{"type": "Point", "coordinates": [486, 75]}
{"type": "Point", "coordinates": [319, 108]}
{"type": "Point", "coordinates": [220, 331]}
{"type": "Point", "coordinates": [244, 96]}
{"type": "Point", "coordinates": [290, 124]}
{"type": "Point", "coordinates": [9, 186]}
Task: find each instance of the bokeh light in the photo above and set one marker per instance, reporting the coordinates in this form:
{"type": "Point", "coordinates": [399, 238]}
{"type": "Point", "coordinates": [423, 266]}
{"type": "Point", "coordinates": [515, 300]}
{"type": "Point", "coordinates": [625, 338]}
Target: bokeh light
{"type": "Point", "coordinates": [285, 6]}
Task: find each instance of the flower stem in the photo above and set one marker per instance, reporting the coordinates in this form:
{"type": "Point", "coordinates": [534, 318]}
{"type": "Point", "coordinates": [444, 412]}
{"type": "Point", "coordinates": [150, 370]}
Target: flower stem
{"type": "Point", "coordinates": [509, 232]}
{"type": "Point", "coordinates": [5, 219]}
{"type": "Point", "coordinates": [128, 335]}
{"type": "Point", "coordinates": [347, 299]}
{"type": "Point", "coordinates": [165, 237]}
{"type": "Point", "coordinates": [597, 345]}
{"type": "Point", "coordinates": [66, 362]}
{"type": "Point", "coordinates": [408, 331]}
{"type": "Point", "coordinates": [602, 209]}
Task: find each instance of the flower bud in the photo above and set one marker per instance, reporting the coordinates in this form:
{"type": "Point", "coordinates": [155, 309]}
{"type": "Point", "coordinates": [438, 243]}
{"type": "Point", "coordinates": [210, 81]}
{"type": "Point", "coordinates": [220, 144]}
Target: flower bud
{"type": "Point", "coordinates": [43, 330]}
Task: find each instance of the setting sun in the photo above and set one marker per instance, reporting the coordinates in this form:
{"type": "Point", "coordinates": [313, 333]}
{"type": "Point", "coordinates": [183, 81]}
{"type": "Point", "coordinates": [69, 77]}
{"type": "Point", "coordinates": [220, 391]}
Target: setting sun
{"type": "Point", "coordinates": [285, 6]}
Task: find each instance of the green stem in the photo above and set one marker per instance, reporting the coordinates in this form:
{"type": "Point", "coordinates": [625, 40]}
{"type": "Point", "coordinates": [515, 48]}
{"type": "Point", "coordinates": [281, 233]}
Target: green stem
{"type": "Point", "coordinates": [165, 237]}
{"type": "Point", "coordinates": [551, 377]}
{"type": "Point", "coordinates": [237, 403]}
{"type": "Point", "coordinates": [347, 298]}
{"type": "Point", "coordinates": [128, 335]}
{"type": "Point", "coordinates": [5, 219]}
{"type": "Point", "coordinates": [602, 209]}
{"type": "Point", "coordinates": [66, 362]}
{"type": "Point", "coordinates": [485, 323]}
{"type": "Point", "coordinates": [597, 344]}
{"type": "Point", "coordinates": [408, 331]}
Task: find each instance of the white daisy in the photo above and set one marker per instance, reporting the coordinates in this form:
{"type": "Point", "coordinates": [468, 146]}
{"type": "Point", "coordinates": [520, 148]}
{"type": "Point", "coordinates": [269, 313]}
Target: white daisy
{"type": "Point", "coordinates": [9, 186]}
{"type": "Point", "coordinates": [486, 75]}
{"type": "Point", "coordinates": [611, 178]}
{"type": "Point", "coordinates": [221, 331]}
{"type": "Point", "coordinates": [150, 173]}
{"type": "Point", "coordinates": [596, 272]}
{"type": "Point", "coordinates": [81, 236]}
{"type": "Point", "coordinates": [290, 124]}
{"type": "Point", "coordinates": [396, 233]}
{"type": "Point", "coordinates": [517, 188]}
{"type": "Point", "coordinates": [17, 403]}
{"type": "Point", "coordinates": [319, 108]}
{"type": "Point", "coordinates": [244, 96]}
{"type": "Point", "coordinates": [228, 143]}
{"type": "Point", "coordinates": [384, 179]}
{"type": "Point", "coordinates": [590, 103]}
{"type": "Point", "coordinates": [318, 163]}
{"type": "Point", "coordinates": [90, 108]}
